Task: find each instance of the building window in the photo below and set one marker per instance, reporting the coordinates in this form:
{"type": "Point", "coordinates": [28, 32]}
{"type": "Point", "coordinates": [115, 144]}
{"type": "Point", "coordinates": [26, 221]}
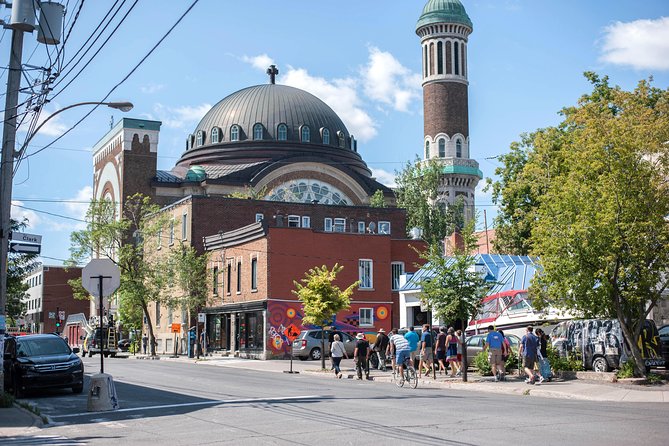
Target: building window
{"type": "Point", "coordinates": [326, 136]}
{"type": "Point", "coordinates": [427, 149]}
{"type": "Point", "coordinates": [306, 222]}
{"type": "Point", "coordinates": [397, 269]}
{"type": "Point", "coordinates": [234, 133]}
{"type": "Point", "coordinates": [157, 314]}
{"type": "Point", "coordinates": [199, 138]}
{"type": "Point", "coordinates": [339, 225]}
{"type": "Point", "coordinates": [442, 148]}
{"type": "Point", "coordinates": [229, 277]}
{"type": "Point", "coordinates": [215, 280]}
{"type": "Point", "coordinates": [184, 226]}
{"type": "Point", "coordinates": [361, 227]}
{"type": "Point", "coordinates": [456, 56]}
{"type": "Point", "coordinates": [239, 277]}
{"type": "Point", "coordinates": [306, 134]}
{"type": "Point", "coordinates": [384, 227]}
{"type": "Point", "coordinates": [366, 317]}
{"type": "Point", "coordinates": [458, 148]}
{"type": "Point", "coordinates": [365, 271]}
{"type": "Point", "coordinates": [327, 225]}
{"type": "Point", "coordinates": [293, 221]}
{"type": "Point", "coordinates": [282, 132]}
{"type": "Point", "coordinates": [259, 217]}
{"type": "Point", "coordinates": [440, 58]}
{"type": "Point", "coordinates": [254, 274]}
{"type": "Point", "coordinates": [215, 135]}
{"type": "Point", "coordinates": [160, 237]}
{"type": "Point", "coordinates": [342, 139]}
{"type": "Point", "coordinates": [257, 132]}
{"type": "Point", "coordinates": [171, 232]}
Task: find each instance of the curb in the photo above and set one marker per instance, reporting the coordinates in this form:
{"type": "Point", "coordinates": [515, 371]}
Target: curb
{"type": "Point", "coordinates": [37, 419]}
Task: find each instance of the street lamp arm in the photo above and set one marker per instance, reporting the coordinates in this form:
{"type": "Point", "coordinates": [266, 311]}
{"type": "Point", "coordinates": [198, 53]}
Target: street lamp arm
{"type": "Point", "coordinates": [123, 106]}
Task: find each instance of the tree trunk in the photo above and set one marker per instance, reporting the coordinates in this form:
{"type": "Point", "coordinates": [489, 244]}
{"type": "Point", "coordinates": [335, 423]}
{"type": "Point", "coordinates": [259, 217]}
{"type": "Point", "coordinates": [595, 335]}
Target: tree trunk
{"type": "Point", "coordinates": [152, 339]}
{"type": "Point", "coordinates": [632, 339]}
{"type": "Point", "coordinates": [463, 340]}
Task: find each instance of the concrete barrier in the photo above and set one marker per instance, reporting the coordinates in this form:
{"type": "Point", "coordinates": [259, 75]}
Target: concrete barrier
{"type": "Point", "coordinates": [102, 395]}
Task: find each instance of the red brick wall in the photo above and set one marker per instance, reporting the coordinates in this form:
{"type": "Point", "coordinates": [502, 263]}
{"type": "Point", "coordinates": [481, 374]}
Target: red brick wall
{"type": "Point", "coordinates": [446, 109]}
{"type": "Point", "coordinates": [57, 294]}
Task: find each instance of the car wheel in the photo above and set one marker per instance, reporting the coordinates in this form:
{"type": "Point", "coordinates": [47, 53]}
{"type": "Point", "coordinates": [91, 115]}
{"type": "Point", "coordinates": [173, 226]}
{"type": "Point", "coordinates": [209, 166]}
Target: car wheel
{"type": "Point", "coordinates": [599, 364]}
{"type": "Point", "coordinates": [315, 354]}
{"type": "Point", "coordinates": [78, 389]}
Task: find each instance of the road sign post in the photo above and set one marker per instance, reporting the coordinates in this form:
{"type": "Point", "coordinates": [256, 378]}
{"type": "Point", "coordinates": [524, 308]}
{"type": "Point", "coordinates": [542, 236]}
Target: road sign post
{"type": "Point", "coordinates": [291, 333]}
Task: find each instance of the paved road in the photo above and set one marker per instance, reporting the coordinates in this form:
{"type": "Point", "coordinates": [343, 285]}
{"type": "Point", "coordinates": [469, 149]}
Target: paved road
{"type": "Point", "coordinates": [172, 403]}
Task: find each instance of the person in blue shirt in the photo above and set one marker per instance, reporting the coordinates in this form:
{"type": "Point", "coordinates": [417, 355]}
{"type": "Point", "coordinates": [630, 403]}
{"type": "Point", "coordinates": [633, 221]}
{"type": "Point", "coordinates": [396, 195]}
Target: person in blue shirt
{"type": "Point", "coordinates": [425, 352]}
{"type": "Point", "coordinates": [494, 343]}
{"type": "Point", "coordinates": [528, 351]}
{"type": "Point", "coordinates": [412, 337]}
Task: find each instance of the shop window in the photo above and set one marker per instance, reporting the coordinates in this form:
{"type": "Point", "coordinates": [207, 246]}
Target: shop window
{"type": "Point", "coordinates": [397, 269]}
{"type": "Point", "coordinates": [366, 317]}
{"type": "Point", "coordinates": [365, 272]}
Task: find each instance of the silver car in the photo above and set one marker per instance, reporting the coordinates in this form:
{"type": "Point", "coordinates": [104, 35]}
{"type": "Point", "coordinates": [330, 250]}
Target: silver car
{"type": "Point", "coordinates": [308, 344]}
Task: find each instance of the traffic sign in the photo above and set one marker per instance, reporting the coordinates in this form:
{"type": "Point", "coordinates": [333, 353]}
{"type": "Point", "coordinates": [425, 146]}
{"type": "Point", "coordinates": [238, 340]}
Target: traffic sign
{"type": "Point", "coordinates": [22, 237]}
{"type": "Point", "coordinates": [52, 315]}
{"type": "Point", "coordinates": [61, 315]}
{"type": "Point", "coordinates": [292, 332]}
{"type": "Point", "coordinates": [176, 328]}
{"type": "Point", "coordinates": [105, 268]}
{"type": "Point", "coordinates": [24, 248]}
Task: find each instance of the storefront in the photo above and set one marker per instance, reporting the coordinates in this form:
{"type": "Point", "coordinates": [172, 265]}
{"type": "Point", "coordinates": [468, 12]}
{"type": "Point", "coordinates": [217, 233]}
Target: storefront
{"type": "Point", "coordinates": [238, 329]}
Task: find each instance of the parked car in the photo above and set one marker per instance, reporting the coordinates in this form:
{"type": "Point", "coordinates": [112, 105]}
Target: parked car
{"type": "Point", "coordinates": [475, 345]}
{"type": "Point", "coordinates": [308, 344]}
{"type": "Point", "coordinates": [601, 344]}
{"type": "Point", "coordinates": [91, 344]}
{"type": "Point", "coordinates": [41, 361]}
{"type": "Point", "coordinates": [124, 345]}
{"type": "Point", "coordinates": [664, 340]}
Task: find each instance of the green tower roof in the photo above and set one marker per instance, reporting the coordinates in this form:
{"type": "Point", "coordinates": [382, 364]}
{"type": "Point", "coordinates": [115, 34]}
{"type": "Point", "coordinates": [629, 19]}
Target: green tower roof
{"type": "Point", "coordinates": [444, 11]}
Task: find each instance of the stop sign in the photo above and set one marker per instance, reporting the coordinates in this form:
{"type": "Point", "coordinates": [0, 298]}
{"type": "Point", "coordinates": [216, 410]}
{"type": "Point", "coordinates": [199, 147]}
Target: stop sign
{"type": "Point", "coordinates": [105, 268]}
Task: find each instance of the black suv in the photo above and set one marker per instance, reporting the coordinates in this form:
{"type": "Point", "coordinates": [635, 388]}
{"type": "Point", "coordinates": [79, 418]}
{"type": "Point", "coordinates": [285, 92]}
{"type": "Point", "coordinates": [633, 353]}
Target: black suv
{"type": "Point", "coordinates": [42, 361]}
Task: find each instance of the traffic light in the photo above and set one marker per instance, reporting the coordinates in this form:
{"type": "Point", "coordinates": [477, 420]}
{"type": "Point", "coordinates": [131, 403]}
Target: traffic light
{"type": "Point", "coordinates": [57, 324]}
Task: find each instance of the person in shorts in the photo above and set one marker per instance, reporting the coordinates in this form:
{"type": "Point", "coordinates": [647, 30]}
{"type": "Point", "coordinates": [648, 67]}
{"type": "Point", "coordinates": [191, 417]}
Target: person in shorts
{"type": "Point", "coordinates": [494, 343]}
{"type": "Point", "coordinates": [402, 350]}
{"type": "Point", "coordinates": [425, 351]}
{"type": "Point", "coordinates": [440, 349]}
{"type": "Point", "coordinates": [412, 337]}
{"type": "Point", "coordinates": [528, 351]}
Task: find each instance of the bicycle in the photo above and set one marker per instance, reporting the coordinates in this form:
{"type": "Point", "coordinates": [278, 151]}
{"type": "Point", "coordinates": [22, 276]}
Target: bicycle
{"type": "Point", "coordinates": [409, 375]}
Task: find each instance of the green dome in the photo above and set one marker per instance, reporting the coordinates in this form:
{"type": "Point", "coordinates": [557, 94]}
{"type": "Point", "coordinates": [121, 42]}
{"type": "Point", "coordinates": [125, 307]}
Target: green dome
{"type": "Point", "coordinates": [196, 173]}
{"type": "Point", "coordinates": [444, 11]}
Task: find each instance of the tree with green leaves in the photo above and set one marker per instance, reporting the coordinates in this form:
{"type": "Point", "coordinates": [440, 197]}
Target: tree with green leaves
{"type": "Point", "coordinates": [601, 230]}
{"type": "Point", "coordinates": [378, 200]}
{"type": "Point", "coordinates": [19, 265]}
{"type": "Point", "coordinates": [418, 192]}
{"type": "Point", "coordinates": [453, 289]}
{"type": "Point", "coordinates": [122, 239]}
{"type": "Point", "coordinates": [321, 298]}
{"type": "Point", "coordinates": [189, 284]}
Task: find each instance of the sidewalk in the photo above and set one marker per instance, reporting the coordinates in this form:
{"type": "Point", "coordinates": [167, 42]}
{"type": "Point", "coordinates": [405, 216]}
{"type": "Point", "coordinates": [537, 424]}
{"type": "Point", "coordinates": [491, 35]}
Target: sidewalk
{"type": "Point", "coordinates": [574, 389]}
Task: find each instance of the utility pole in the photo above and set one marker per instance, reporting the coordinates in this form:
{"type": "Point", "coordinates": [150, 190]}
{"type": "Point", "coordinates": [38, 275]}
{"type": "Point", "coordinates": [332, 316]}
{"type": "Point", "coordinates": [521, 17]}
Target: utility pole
{"type": "Point", "coordinates": [22, 20]}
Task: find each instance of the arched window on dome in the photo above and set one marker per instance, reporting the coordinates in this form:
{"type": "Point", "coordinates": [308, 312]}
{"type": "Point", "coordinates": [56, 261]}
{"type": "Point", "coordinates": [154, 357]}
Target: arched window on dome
{"type": "Point", "coordinates": [326, 136]}
{"type": "Point", "coordinates": [442, 148]}
{"type": "Point", "coordinates": [342, 139]}
{"type": "Point", "coordinates": [427, 149]}
{"type": "Point", "coordinates": [234, 133]}
{"type": "Point", "coordinates": [257, 132]}
{"type": "Point", "coordinates": [199, 139]}
{"type": "Point", "coordinates": [305, 134]}
{"type": "Point", "coordinates": [282, 132]}
{"type": "Point", "coordinates": [458, 148]}
{"type": "Point", "coordinates": [215, 135]}
{"type": "Point", "coordinates": [188, 142]}
{"type": "Point", "coordinates": [354, 144]}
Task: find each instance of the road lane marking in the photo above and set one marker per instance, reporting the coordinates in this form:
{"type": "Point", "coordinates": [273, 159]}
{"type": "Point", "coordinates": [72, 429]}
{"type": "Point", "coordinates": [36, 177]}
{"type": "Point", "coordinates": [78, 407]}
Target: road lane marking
{"type": "Point", "coordinates": [198, 403]}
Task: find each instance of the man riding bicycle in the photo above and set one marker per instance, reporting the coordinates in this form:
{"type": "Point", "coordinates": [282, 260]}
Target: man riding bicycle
{"type": "Point", "coordinates": [402, 350]}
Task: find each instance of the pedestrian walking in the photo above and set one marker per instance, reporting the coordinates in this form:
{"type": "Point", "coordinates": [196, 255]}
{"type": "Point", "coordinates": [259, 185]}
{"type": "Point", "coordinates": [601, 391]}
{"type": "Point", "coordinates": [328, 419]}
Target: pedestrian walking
{"type": "Point", "coordinates": [494, 344]}
{"type": "Point", "coordinates": [381, 347]}
{"type": "Point", "coordinates": [361, 355]}
{"type": "Point", "coordinates": [529, 345]}
{"type": "Point", "coordinates": [440, 349]}
{"type": "Point", "coordinates": [452, 351]}
{"type": "Point", "coordinates": [542, 356]}
{"type": "Point", "coordinates": [425, 351]}
{"type": "Point", "coordinates": [145, 341]}
{"type": "Point", "coordinates": [337, 352]}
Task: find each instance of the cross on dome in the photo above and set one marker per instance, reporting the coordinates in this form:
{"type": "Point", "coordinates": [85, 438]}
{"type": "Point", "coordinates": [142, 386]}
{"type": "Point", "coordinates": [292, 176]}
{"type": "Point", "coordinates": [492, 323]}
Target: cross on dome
{"type": "Point", "coordinates": [272, 71]}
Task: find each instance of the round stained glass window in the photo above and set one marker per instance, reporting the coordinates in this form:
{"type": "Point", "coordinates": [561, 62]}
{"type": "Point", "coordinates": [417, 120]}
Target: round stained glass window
{"type": "Point", "coordinates": [307, 191]}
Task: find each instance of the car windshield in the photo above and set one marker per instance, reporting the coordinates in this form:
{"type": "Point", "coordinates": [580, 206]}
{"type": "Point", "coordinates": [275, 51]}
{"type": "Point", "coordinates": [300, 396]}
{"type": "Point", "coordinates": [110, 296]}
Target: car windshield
{"type": "Point", "coordinates": [42, 347]}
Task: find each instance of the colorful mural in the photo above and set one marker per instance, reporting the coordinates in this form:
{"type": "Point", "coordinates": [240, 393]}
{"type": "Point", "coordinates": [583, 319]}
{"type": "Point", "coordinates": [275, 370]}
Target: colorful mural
{"type": "Point", "coordinates": [280, 314]}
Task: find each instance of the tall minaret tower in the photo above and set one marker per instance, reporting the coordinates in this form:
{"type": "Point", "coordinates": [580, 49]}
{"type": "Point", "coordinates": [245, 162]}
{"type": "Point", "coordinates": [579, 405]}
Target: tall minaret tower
{"type": "Point", "coordinates": [444, 28]}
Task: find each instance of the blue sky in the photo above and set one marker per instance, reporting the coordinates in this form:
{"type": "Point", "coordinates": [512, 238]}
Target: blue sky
{"type": "Point", "coordinates": [362, 57]}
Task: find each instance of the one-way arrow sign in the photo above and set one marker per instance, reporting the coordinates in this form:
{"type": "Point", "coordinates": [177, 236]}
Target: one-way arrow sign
{"type": "Point", "coordinates": [25, 248]}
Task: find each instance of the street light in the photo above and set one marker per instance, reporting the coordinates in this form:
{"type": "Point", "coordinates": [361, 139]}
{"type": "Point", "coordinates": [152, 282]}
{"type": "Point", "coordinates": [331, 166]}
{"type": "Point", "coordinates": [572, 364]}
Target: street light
{"type": "Point", "coordinates": [7, 167]}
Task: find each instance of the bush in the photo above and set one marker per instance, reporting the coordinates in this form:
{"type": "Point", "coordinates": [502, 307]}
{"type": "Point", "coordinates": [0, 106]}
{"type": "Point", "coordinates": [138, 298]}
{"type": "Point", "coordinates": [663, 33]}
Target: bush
{"type": "Point", "coordinates": [626, 370]}
{"type": "Point", "coordinates": [482, 364]}
{"type": "Point", "coordinates": [6, 400]}
{"type": "Point", "coordinates": [571, 363]}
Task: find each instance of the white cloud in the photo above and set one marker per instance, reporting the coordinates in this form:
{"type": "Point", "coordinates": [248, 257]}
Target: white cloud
{"type": "Point", "coordinates": [641, 44]}
{"type": "Point", "coordinates": [78, 206]}
{"type": "Point", "coordinates": [384, 177]}
{"type": "Point", "coordinates": [341, 95]}
{"type": "Point", "coordinates": [180, 117]}
{"type": "Point", "coordinates": [19, 213]}
{"type": "Point", "coordinates": [53, 127]}
{"type": "Point", "coordinates": [261, 62]}
{"type": "Point", "coordinates": [151, 88]}
{"type": "Point", "coordinates": [387, 81]}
